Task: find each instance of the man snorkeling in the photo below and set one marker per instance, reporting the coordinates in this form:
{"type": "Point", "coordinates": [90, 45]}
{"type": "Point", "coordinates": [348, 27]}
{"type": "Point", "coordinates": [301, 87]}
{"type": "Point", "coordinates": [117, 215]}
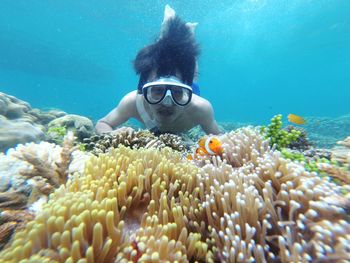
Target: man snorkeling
{"type": "Point", "coordinates": [166, 99]}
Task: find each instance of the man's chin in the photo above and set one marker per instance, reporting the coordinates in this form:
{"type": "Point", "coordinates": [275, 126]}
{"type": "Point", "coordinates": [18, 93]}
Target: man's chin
{"type": "Point", "coordinates": [165, 115]}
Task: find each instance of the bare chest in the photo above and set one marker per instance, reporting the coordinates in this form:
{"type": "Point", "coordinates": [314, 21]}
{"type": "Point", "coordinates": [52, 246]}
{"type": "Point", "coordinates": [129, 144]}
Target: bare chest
{"type": "Point", "coordinates": [181, 124]}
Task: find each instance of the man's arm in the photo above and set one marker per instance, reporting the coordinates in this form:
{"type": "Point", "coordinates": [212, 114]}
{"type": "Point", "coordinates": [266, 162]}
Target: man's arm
{"type": "Point", "coordinates": [207, 120]}
{"type": "Point", "coordinates": [124, 111]}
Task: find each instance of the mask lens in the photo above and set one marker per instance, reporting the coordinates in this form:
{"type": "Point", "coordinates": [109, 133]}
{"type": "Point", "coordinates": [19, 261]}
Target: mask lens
{"type": "Point", "coordinates": [155, 93]}
{"type": "Point", "coordinates": [181, 95]}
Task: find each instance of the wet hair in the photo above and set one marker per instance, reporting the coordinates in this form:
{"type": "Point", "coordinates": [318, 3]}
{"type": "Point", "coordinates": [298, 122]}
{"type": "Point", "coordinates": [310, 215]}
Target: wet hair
{"type": "Point", "coordinates": [175, 51]}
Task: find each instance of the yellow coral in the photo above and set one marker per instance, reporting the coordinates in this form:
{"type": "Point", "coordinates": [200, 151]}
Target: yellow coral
{"type": "Point", "coordinates": [92, 218]}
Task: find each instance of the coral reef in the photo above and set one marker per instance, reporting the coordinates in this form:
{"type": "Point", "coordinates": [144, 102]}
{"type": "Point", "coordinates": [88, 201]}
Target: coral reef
{"type": "Point", "coordinates": [51, 165]}
{"type": "Point", "coordinates": [300, 143]}
{"type": "Point", "coordinates": [82, 127]}
{"type": "Point", "coordinates": [128, 201]}
{"type": "Point", "coordinates": [135, 139]}
{"type": "Point", "coordinates": [338, 174]}
{"type": "Point", "coordinates": [37, 167]}
{"type": "Point", "coordinates": [339, 167]}
{"type": "Point", "coordinates": [19, 123]}
{"type": "Point", "coordinates": [29, 173]}
{"type": "Point", "coordinates": [263, 208]}
{"type": "Point", "coordinates": [11, 220]}
{"type": "Point", "coordinates": [310, 160]}
{"type": "Point", "coordinates": [251, 205]}
{"type": "Point", "coordinates": [55, 134]}
{"type": "Point", "coordinates": [277, 136]}
{"type": "Point", "coordinates": [325, 131]}
{"type": "Point", "coordinates": [193, 134]}
{"type": "Point", "coordinates": [322, 132]}
{"type": "Point", "coordinates": [316, 153]}
{"type": "Point", "coordinates": [341, 153]}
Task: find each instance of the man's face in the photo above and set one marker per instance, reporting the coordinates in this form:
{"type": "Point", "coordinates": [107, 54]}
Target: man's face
{"type": "Point", "coordinates": [166, 111]}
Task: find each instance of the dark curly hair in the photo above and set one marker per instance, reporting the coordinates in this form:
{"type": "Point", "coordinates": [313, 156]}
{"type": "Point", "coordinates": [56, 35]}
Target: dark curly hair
{"type": "Point", "coordinates": [176, 50]}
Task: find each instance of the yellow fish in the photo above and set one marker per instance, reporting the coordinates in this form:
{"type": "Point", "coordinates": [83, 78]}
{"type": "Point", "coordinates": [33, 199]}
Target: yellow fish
{"type": "Point", "coordinates": [296, 119]}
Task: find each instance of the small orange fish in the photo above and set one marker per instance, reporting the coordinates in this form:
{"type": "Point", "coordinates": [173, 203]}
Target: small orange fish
{"type": "Point", "coordinates": [295, 119]}
{"type": "Point", "coordinates": [207, 146]}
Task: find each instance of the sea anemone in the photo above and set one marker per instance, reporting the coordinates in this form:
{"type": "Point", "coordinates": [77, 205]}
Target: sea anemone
{"type": "Point", "coordinates": [121, 198]}
{"type": "Point", "coordinates": [261, 207]}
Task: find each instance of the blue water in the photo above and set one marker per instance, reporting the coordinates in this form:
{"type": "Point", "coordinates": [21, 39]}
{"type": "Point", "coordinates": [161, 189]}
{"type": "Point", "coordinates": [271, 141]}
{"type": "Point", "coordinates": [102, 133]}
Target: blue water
{"type": "Point", "coordinates": [259, 57]}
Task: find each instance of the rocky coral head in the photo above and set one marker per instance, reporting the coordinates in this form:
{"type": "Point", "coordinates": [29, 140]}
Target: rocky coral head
{"type": "Point", "coordinates": [300, 143]}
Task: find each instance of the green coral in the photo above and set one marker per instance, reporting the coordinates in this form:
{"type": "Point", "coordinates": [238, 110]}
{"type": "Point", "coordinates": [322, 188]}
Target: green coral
{"type": "Point", "coordinates": [82, 147]}
{"type": "Point", "coordinates": [294, 156]}
{"type": "Point", "coordinates": [309, 164]}
{"type": "Point", "coordinates": [57, 133]}
{"type": "Point", "coordinates": [344, 191]}
{"type": "Point", "coordinates": [58, 130]}
{"type": "Point", "coordinates": [277, 136]}
{"type": "Point", "coordinates": [312, 167]}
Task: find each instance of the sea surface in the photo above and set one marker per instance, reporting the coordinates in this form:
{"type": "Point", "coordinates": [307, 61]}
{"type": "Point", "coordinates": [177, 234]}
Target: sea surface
{"type": "Point", "coordinates": [258, 57]}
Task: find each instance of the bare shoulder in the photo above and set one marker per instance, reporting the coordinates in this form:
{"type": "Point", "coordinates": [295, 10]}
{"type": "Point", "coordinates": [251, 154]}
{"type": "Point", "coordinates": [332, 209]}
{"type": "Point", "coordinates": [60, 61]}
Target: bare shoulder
{"type": "Point", "coordinates": [203, 114]}
{"type": "Point", "coordinates": [128, 103]}
{"type": "Point", "coordinates": [200, 107]}
{"type": "Point", "coordinates": [129, 98]}
{"type": "Point", "coordinates": [126, 109]}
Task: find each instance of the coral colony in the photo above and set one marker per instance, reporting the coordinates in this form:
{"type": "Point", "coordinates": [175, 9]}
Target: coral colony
{"type": "Point", "coordinates": [133, 196]}
{"type": "Point", "coordinates": [151, 204]}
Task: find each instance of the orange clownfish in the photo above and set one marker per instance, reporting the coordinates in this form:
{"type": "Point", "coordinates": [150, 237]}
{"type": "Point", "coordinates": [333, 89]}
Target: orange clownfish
{"type": "Point", "coordinates": [207, 146]}
{"type": "Point", "coordinates": [295, 119]}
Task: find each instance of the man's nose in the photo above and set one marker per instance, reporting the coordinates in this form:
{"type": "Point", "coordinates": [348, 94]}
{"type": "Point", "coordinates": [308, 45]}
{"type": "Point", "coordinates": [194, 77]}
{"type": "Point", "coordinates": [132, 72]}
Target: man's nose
{"type": "Point", "coordinates": [168, 101]}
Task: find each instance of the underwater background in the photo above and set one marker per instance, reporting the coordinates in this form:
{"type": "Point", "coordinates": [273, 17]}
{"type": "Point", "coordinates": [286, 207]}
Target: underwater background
{"type": "Point", "coordinates": [274, 191]}
{"type": "Point", "coordinates": [258, 57]}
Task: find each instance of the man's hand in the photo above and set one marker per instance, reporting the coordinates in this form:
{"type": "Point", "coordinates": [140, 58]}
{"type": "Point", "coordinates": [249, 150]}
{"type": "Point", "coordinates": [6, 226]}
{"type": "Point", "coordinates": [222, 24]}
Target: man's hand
{"type": "Point", "coordinates": [124, 111]}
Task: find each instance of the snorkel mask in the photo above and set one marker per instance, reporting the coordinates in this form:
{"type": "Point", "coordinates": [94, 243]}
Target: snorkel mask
{"type": "Point", "coordinates": [163, 88]}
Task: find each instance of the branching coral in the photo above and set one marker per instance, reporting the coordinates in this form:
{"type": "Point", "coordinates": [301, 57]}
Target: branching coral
{"type": "Point", "coordinates": [31, 172]}
{"type": "Point", "coordinates": [135, 139]}
{"type": "Point", "coordinates": [13, 199]}
{"type": "Point", "coordinates": [48, 160]}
